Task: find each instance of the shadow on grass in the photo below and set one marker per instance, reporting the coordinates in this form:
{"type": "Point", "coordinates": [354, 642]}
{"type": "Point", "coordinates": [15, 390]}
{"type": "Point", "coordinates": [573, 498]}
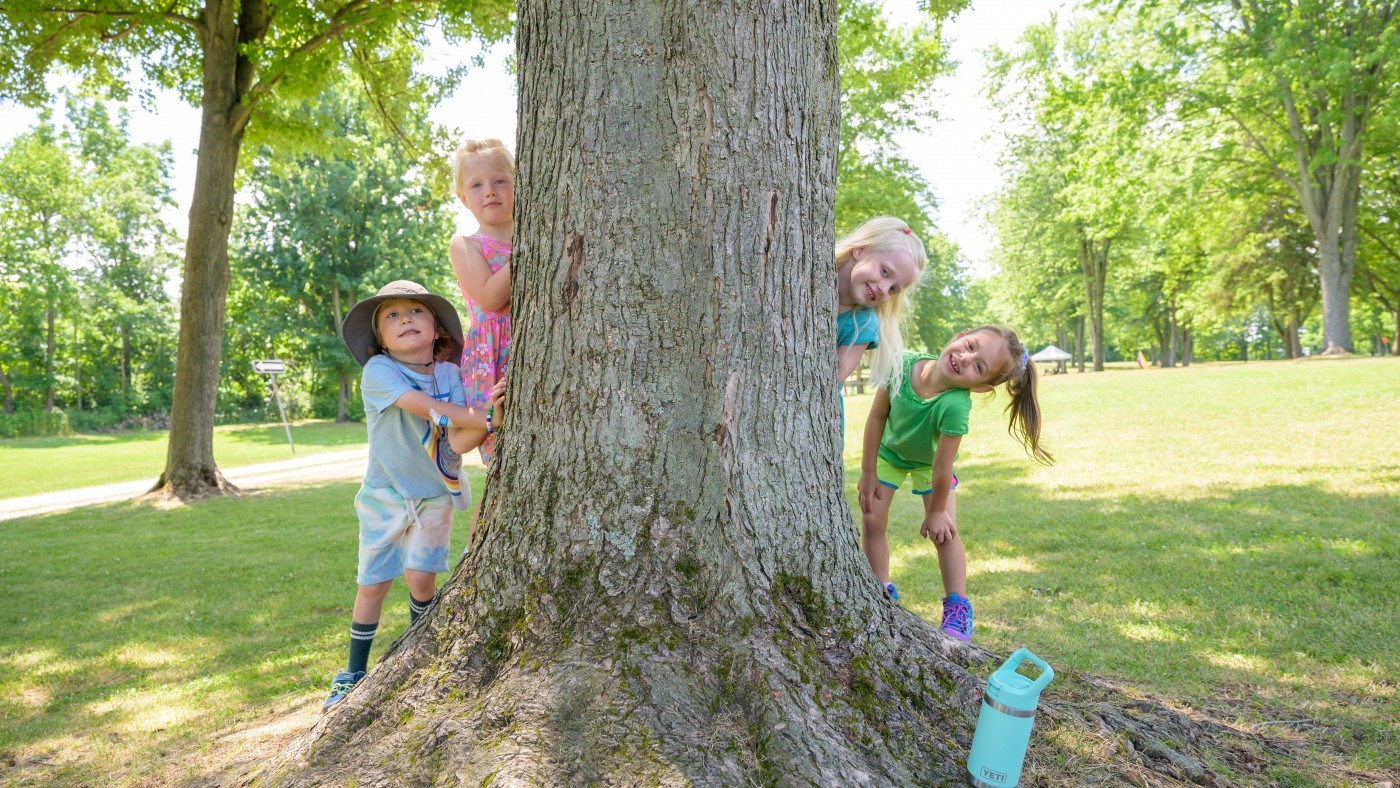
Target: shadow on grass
{"type": "Point", "coordinates": [129, 630]}
{"type": "Point", "coordinates": [1262, 599]}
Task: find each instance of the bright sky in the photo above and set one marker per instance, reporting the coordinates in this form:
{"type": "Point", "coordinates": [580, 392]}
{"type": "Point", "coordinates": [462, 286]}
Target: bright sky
{"type": "Point", "coordinates": [957, 154]}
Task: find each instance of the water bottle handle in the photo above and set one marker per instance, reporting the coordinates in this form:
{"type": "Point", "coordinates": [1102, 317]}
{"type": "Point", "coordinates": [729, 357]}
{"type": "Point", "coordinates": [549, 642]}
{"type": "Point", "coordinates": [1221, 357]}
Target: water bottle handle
{"type": "Point", "coordinates": [1021, 655]}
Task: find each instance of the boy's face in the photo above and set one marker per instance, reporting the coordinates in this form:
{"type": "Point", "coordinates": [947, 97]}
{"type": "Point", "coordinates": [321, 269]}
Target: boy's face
{"type": "Point", "coordinates": [406, 327]}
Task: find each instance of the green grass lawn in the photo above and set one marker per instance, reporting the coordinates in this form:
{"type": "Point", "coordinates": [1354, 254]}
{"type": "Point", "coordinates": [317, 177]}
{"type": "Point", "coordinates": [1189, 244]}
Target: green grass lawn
{"type": "Point", "coordinates": [1226, 535]}
{"type": "Point", "coordinates": [1223, 536]}
{"type": "Point", "coordinates": [29, 466]}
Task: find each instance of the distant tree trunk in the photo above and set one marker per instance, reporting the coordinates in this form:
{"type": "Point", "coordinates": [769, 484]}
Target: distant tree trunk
{"type": "Point", "coordinates": [1188, 347]}
{"type": "Point", "coordinates": [77, 369]}
{"type": "Point", "coordinates": [9, 392]}
{"type": "Point", "coordinates": [1295, 342]}
{"type": "Point", "coordinates": [125, 369]}
{"type": "Point", "coordinates": [1244, 350]}
{"type": "Point", "coordinates": [343, 393]}
{"type": "Point", "coordinates": [1093, 261]}
{"type": "Point", "coordinates": [1281, 324]}
{"type": "Point", "coordinates": [49, 316]}
{"type": "Point", "coordinates": [1394, 337]}
{"type": "Point", "coordinates": [190, 471]}
{"type": "Point", "coordinates": [1079, 342]}
{"type": "Point", "coordinates": [1159, 328]}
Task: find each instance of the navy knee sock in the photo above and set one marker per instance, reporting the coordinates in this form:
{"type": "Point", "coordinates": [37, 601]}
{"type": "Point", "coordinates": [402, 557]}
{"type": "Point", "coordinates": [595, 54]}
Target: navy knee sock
{"type": "Point", "coordinates": [361, 638]}
{"type": "Point", "coordinates": [416, 608]}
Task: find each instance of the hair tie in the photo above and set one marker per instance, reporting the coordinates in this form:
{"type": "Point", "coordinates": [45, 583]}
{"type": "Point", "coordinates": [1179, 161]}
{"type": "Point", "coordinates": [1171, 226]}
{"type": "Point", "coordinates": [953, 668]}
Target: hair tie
{"type": "Point", "coordinates": [906, 231]}
{"type": "Point", "coordinates": [1025, 356]}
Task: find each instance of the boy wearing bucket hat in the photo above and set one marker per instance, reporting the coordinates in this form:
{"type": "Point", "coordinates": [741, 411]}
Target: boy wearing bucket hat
{"type": "Point", "coordinates": [404, 337]}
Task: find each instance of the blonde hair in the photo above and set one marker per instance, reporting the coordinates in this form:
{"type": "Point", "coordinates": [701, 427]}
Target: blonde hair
{"type": "Point", "coordinates": [886, 234]}
{"type": "Point", "coordinates": [491, 149]}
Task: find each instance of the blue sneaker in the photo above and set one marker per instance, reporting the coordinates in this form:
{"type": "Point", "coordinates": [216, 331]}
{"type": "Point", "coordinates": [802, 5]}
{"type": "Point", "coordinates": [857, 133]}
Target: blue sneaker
{"type": "Point", "coordinates": [891, 592]}
{"type": "Point", "coordinates": [343, 682]}
{"type": "Point", "coordinates": [957, 617]}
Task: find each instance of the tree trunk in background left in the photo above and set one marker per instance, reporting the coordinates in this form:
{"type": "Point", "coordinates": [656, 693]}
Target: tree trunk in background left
{"type": "Point", "coordinates": [190, 471]}
{"type": "Point", "coordinates": [48, 359]}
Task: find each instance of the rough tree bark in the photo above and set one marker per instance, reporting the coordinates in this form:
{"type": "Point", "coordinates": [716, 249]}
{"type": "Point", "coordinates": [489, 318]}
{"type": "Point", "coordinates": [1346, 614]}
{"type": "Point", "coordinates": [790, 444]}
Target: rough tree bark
{"type": "Point", "coordinates": [665, 586]}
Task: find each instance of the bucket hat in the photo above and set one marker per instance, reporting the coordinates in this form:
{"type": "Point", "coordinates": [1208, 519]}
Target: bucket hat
{"type": "Point", "coordinates": [358, 328]}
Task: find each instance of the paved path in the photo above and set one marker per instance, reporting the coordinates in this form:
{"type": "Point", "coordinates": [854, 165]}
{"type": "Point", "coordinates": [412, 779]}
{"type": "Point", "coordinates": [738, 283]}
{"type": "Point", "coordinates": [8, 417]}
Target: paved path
{"type": "Point", "coordinates": [330, 466]}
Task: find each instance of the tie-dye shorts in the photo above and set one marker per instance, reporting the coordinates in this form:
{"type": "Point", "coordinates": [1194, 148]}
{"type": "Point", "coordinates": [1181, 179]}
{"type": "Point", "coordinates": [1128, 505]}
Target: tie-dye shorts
{"type": "Point", "coordinates": [398, 533]}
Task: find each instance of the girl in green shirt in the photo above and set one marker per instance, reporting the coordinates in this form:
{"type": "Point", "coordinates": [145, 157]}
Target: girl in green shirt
{"type": "Point", "coordinates": [914, 432]}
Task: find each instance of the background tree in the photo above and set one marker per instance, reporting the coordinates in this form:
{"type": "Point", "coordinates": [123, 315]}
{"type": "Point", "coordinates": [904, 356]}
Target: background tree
{"type": "Point", "coordinates": [86, 255]}
{"type": "Point", "coordinates": [1378, 263]}
{"type": "Point", "coordinates": [1302, 82]}
{"type": "Point", "coordinates": [238, 61]}
{"type": "Point", "coordinates": [327, 229]}
{"type": "Point", "coordinates": [40, 199]}
{"type": "Point", "coordinates": [1061, 97]}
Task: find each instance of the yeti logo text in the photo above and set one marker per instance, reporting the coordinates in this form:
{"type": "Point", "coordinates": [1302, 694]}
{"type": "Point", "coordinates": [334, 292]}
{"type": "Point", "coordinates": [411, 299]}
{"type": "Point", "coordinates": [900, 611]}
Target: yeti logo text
{"type": "Point", "coordinates": [991, 775]}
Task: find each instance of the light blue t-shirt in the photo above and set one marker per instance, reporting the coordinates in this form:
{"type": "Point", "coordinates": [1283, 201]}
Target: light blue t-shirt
{"type": "Point", "coordinates": [397, 458]}
{"type": "Point", "coordinates": [858, 326]}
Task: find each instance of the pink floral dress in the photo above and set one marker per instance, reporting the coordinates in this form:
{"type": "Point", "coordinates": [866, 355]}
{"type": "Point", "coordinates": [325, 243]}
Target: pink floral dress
{"type": "Point", "coordinates": [487, 345]}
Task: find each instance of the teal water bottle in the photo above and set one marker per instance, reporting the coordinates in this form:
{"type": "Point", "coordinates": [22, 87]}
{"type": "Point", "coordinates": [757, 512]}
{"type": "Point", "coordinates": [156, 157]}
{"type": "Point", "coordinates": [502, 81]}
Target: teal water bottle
{"type": "Point", "coordinates": [1004, 725]}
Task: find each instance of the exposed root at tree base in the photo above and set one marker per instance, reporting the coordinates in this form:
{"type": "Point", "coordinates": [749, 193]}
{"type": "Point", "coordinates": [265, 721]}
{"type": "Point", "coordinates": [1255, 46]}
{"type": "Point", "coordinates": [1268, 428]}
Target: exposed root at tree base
{"type": "Point", "coordinates": [189, 488]}
{"type": "Point", "coordinates": [891, 705]}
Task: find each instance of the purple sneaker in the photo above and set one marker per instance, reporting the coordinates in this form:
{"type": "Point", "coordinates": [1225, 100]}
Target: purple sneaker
{"type": "Point", "coordinates": [957, 617]}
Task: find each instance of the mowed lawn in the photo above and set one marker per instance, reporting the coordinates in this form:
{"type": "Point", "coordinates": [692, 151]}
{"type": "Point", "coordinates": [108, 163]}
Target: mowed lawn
{"type": "Point", "coordinates": [1224, 537]}
{"type": "Point", "coordinates": [29, 466]}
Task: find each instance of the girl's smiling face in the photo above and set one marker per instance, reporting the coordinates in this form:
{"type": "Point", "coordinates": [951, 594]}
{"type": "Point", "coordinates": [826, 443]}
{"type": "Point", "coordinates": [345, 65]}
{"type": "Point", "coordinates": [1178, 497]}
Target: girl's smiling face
{"type": "Point", "coordinates": [973, 360]}
{"type": "Point", "coordinates": [488, 191]}
{"type": "Point", "coordinates": [877, 276]}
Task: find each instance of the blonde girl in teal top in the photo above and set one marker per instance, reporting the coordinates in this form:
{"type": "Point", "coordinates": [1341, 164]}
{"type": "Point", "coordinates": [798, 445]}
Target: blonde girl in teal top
{"type": "Point", "coordinates": [876, 267]}
{"type": "Point", "coordinates": [914, 434]}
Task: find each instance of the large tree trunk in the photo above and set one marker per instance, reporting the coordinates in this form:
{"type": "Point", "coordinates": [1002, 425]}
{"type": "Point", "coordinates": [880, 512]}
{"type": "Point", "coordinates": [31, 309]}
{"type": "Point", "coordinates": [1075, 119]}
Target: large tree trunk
{"type": "Point", "coordinates": [190, 471]}
{"type": "Point", "coordinates": [665, 586]}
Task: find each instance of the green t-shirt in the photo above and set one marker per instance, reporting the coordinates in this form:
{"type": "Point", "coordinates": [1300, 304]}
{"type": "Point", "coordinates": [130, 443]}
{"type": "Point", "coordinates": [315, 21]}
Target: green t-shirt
{"type": "Point", "coordinates": [914, 423]}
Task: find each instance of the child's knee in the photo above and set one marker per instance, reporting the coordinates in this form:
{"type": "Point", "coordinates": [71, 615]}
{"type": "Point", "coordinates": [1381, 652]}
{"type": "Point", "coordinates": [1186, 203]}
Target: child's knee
{"type": "Point", "coordinates": [376, 591]}
{"type": "Point", "coordinates": [873, 524]}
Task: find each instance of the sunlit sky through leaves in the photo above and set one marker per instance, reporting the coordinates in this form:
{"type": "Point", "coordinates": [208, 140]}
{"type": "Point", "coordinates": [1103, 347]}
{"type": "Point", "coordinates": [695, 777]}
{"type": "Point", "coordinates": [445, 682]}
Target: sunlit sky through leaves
{"type": "Point", "coordinates": [957, 153]}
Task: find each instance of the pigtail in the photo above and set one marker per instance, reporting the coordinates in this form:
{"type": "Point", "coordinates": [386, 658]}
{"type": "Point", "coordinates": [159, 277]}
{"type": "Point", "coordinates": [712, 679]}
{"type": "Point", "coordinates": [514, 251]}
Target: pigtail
{"type": "Point", "coordinates": [1020, 379]}
{"type": "Point", "coordinates": [1025, 413]}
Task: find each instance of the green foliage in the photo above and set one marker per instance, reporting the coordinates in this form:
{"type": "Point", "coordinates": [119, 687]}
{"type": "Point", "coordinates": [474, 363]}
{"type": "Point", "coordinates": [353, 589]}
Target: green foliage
{"type": "Point", "coordinates": [85, 251]}
{"type": "Point", "coordinates": [887, 78]}
{"type": "Point", "coordinates": [320, 233]}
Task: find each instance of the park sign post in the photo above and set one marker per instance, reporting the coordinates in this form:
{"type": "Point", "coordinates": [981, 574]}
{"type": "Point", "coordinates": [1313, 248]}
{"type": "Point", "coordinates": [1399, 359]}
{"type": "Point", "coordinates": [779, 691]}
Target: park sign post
{"type": "Point", "coordinates": [272, 368]}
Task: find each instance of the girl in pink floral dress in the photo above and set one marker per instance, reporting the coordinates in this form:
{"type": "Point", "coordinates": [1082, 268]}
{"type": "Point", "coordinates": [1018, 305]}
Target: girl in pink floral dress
{"type": "Point", "coordinates": [483, 177]}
